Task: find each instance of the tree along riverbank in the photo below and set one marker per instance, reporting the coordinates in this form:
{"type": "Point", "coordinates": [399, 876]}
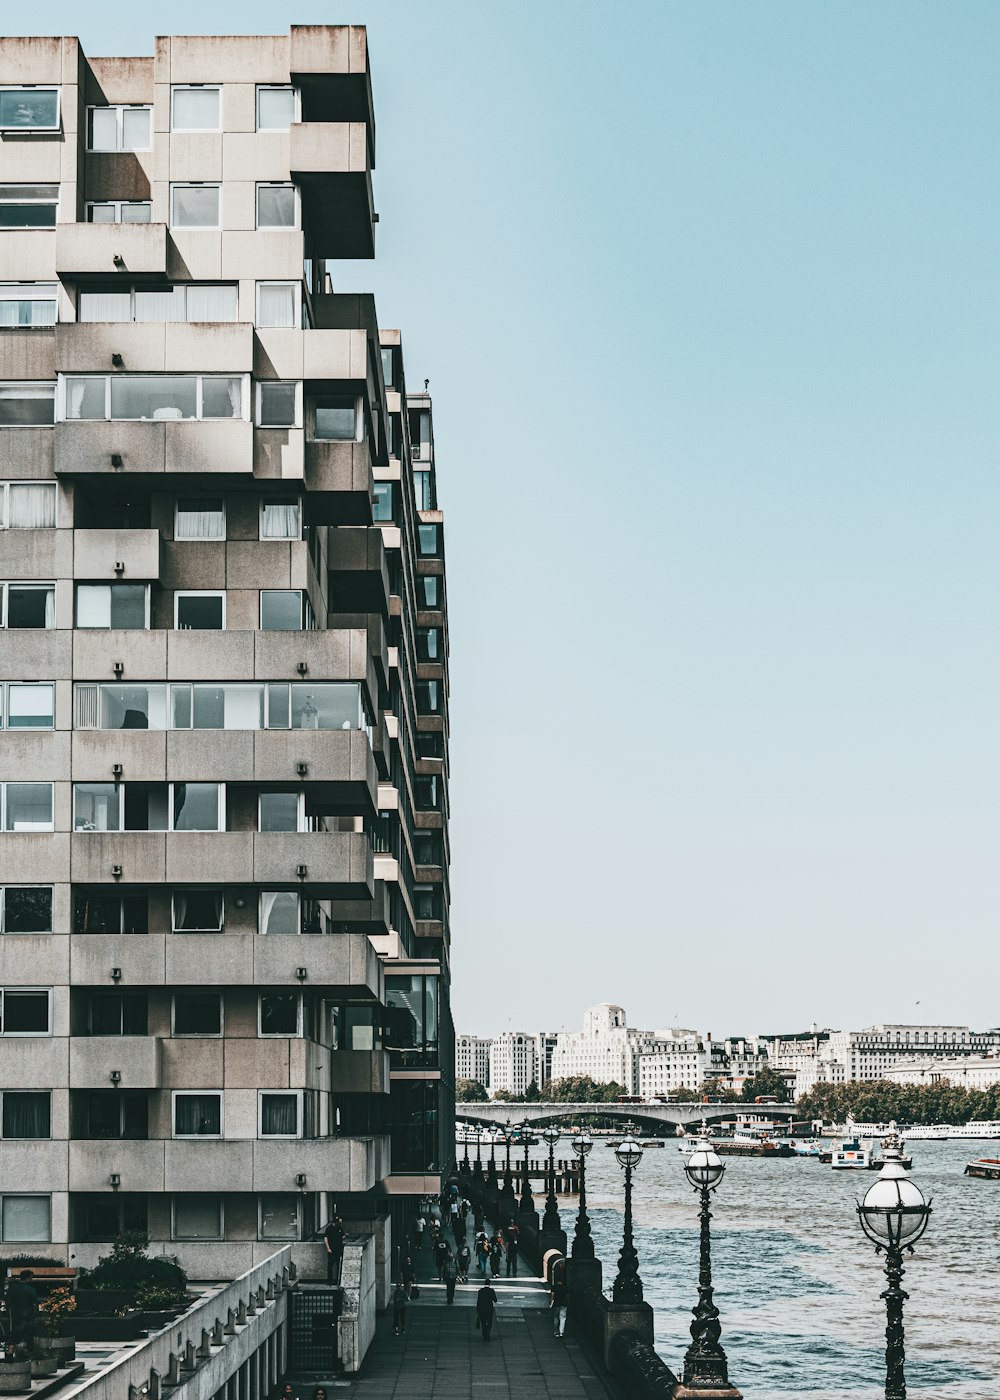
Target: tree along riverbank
{"type": "Point", "coordinates": [881, 1101]}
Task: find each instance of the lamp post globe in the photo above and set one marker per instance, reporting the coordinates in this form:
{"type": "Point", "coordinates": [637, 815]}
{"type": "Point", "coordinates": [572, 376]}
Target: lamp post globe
{"type": "Point", "coordinates": [550, 1220]}
{"type": "Point", "coordinates": [507, 1200]}
{"type": "Point", "coordinates": [894, 1215]}
{"type": "Point", "coordinates": [627, 1287]}
{"type": "Point", "coordinates": [705, 1361]}
{"type": "Point", "coordinates": [583, 1245]}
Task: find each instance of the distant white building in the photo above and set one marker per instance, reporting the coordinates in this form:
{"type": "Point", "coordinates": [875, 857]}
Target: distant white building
{"type": "Point", "coordinates": [472, 1058]}
{"type": "Point", "coordinates": [870, 1053]}
{"type": "Point", "coordinates": [512, 1062]}
{"type": "Point", "coordinates": [608, 1050]}
{"type": "Point", "coordinates": [682, 1065]}
{"type": "Point", "coordinates": [972, 1072]}
{"type": "Point", "coordinates": [545, 1044]}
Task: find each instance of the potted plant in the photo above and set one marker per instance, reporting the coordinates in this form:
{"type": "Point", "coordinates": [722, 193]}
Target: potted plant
{"type": "Point", "coordinates": [57, 1315]}
{"type": "Point", "coordinates": [160, 1303]}
{"type": "Point", "coordinates": [108, 1295]}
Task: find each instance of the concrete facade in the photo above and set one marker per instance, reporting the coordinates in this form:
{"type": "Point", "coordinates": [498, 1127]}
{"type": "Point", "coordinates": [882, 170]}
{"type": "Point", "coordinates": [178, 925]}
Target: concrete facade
{"type": "Point", "coordinates": [224, 936]}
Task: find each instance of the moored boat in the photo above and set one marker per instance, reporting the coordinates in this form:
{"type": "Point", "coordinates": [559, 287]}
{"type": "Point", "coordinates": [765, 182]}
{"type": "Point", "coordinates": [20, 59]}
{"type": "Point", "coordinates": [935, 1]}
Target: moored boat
{"type": "Point", "coordinates": [851, 1154]}
{"type": "Point", "coordinates": [986, 1167]}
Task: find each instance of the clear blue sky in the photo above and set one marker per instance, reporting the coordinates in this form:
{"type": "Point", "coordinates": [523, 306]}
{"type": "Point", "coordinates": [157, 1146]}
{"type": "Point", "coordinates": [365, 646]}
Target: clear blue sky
{"type": "Point", "coordinates": [708, 299]}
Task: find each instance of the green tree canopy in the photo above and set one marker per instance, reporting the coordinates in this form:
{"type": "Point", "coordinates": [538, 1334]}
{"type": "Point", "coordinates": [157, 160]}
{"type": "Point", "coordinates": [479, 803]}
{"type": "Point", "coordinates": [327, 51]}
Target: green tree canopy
{"type": "Point", "coordinates": [470, 1091]}
{"type": "Point", "coordinates": [765, 1081]}
{"type": "Point", "coordinates": [580, 1088]}
{"type": "Point", "coordinates": [882, 1101]}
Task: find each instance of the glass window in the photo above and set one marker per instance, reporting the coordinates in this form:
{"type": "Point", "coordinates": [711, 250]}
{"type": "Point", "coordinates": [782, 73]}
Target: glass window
{"type": "Point", "coordinates": [222, 396]}
{"type": "Point", "coordinates": [429, 697]}
{"type": "Point", "coordinates": [197, 911]}
{"type": "Point", "coordinates": [118, 1013]}
{"type": "Point", "coordinates": [24, 1012]}
{"type": "Point", "coordinates": [279, 1115]}
{"type": "Point", "coordinates": [428, 592]}
{"type": "Point", "coordinates": [337, 419]}
{"type": "Point", "coordinates": [28, 206]}
{"type": "Point", "coordinates": [27, 1114]}
{"type": "Point", "coordinates": [27, 304]}
{"type": "Point", "coordinates": [276, 206]}
{"type": "Point", "coordinates": [196, 206]}
{"type": "Point", "coordinates": [279, 1216]}
{"type": "Point", "coordinates": [30, 706]}
{"type": "Point", "coordinates": [280, 519]}
{"type": "Point", "coordinates": [28, 807]}
{"type": "Point", "coordinates": [110, 913]}
{"type": "Point", "coordinates": [279, 911]}
{"type": "Point", "coordinates": [280, 811]}
{"type": "Point", "coordinates": [197, 1115]}
{"type": "Point", "coordinates": [423, 490]}
{"type": "Point", "coordinates": [29, 604]}
{"type": "Point", "coordinates": [97, 807]}
{"type": "Point", "coordinates": [281, 610]}
{"type": "Point", "coordinates": [278, 304]}
{"type": "Point", "coordinates": [430, 644]}
{"type": "Point", "coordinates": [120, 128]}
{"type": "Point", "coordinates": [279, 1013]}
{"type": "Point", "coordinates": [158, 398]}
{"type": "Point", "coordinates": [25, 1219]}
{"type": "Point", "coordinates": [29, 109]}
{"type": "Point", "coordinates": [207, 303]}
{"type": "Point", "coordinates": [197, 1217]}
{"type": "Point", "coordinates": [116, 1115]}
{"type": "Point", "coordinates": [326, 706]}
{"type": "Point", "coordinates": [200, 612]}
{"type": "Point", "coordinates": [31, 505]}
{"type": "Point", "coordinates": [118, 605]}
{"type": "Point", "coordinates": [429, 540]}
{"type": "Point", "coordinates": [383, 502]}
{"type": "Point", "coordinates": [192, 302]}
{"type": "Point", "coordinates": [26, 909]}
{"type": "Point", "coordinates": [196, 108]}
{"type": "Point", "coordinates": [275, 108]}
{"type": "Point", "coordinates": [198, 806]}
{"type": "Point", "coordinates": [197, 1013]}
{"type": "Point", "coordinates": [27, 404]}
{"type": "Point", "coordinates": [200, 518]}
{"type": "Point", "coordinates": [277, 404]}
{"type": "Point", "coordinates": [118, 211]}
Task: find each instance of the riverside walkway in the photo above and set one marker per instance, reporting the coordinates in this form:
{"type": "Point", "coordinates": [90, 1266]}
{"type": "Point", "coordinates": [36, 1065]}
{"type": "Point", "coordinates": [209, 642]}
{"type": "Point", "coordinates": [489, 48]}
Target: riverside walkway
{"type": "Point", "coordinates": [443, 1357]}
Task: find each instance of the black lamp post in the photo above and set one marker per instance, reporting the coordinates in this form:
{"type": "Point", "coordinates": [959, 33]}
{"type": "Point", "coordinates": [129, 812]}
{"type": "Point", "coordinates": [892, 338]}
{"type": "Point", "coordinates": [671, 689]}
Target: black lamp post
{"type": "Point", "coordinates": [583, 1245]}
{"type": "Point", "coordinates": [508, 1201]}
{"type": "Point", "coordinates": [527, 1200]}
{"type": "Point", "coordinates": [478, 1184]}
{"type": "Point", "coordinates": [627, 1287]}
{"type": "Point", "coordinates": [705, 1362]}
{"type": "Point", "coordinates": [894, 1215]}
{"type": "Point", "coordinates": [550, 1220]}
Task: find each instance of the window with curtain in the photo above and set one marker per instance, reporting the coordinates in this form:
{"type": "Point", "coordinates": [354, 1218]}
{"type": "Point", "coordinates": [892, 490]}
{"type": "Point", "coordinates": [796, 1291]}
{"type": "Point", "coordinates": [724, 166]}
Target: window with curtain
{"type": "Point", "coordinates": [27, 404]}
{"type": "Point", "coordinates": [197, 911]}
{"type": "Point", "coordinates": [117, 605]}
{"type": "Point", "coordinates": [279, 912]}
{"type": "Point", "coordinates": [197, 1115]}
{"type": "Point", "coordinates": [32, 505]}
{"type": "Point", "coordinates": [28, 304]}
{"type": "Point", "coordinates": [29, 604]}
{"type": "Point", "coordinates": [188, 301]}
{"type": "Point", "coordinates": [280, 520]}
{"type": "Point", "coordinates": [26, 1219]}
{"type": "Point", "coordinates": [276, 206]}
{"type": "Point", "coordinates": [200, 518]}
{"type": "Point", "coordinates": [278, 304]}
{"type": "Point", "coordinates": [279, 1115]}
{"type": "Point", "coordinates": [275, 108]}
{"type": "Point", "coordinates": [221, 397]}
{"type": "Point", "coordinates": [26, 1114]}
{"type": "Point", "coordinates": [195, 108]}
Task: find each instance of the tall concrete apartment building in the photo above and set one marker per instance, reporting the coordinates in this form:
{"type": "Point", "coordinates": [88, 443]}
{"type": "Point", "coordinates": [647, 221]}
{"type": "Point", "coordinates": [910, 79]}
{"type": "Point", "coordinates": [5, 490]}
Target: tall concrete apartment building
{"type": "Point", "coordinates": [224, 965]}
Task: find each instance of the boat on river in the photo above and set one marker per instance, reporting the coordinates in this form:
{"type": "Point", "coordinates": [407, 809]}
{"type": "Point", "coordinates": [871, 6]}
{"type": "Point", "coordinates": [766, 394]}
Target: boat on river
{"type": "Point", "coordinates": [986, 1167]}
{"type": "Point", "coordinates": [853, 1153]}
{"type": "Point", "coordinates": [977, 1128]}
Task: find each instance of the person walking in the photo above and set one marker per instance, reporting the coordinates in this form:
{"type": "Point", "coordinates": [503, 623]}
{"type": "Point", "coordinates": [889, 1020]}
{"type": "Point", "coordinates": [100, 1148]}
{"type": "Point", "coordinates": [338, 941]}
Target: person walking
{"type": "Point", "coordinates": [486, 1302]}
{"type": "Point", "coordinates": [409, 1275]}
{"type": "Point", "coordinates": [559, 1301]}
{"type": "Point", "coordinates": [450, 1275]}
{"type": "Point", "coordinates": [513, 1235]}
{"type": "Point", "coordinates": [441, 1251]}
{"type": "Point", "coordinates": [420, 1227]}
{"type": "Point", "coordinates": [458, 1230]}
{"type": "Point", "coordinates": [464, 1260]}
{"type": "Point", "coordinates": [333, 1242]}
{"type": "Point", "coordinates": [399, 1309]}
{"type": "Point", "coordinates": [22, 1308]}
{"type": "Point", "coordinates": [483, 1254]}
{"type": "Point", "coordinates": [496, 1253]}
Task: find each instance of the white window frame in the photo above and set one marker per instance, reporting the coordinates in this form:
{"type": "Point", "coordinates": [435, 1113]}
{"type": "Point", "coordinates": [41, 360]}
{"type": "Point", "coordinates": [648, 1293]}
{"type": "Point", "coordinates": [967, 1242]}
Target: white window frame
{"type": "Point", "coordinates": [5, 1034]}
{"type": "Point", "coordinates": [20, 1195]}
{"type": "Point", "coordinates": [40, 933]}
{"type": "Point", "coordinates": [276, 539]}
{"type": "Point", "coordinates": [200, 593]}
{"type": "Point", "coordinates": [22, 291]}
{"type": "Point", "coordinates": [201, 1094]}
{"type": "Point", "coordinates": [301, 820]}
{"type": "Point", "coordinates": [360, 426]}
{"type": "Point", "coordinates": [5, 706]}
{"type": "Point", "coordinates": [198, 1035]}
{"type": "Point", "coordinates": [220, 815]}
{"type": "Point", "coordinates": [233, 286]}
{"type": "Point", "coordinates": [196, 539]}
{"type": "Point", "coordinates": [193, 87]}
{"type": "Point", "coordinates": [195, 184]}
{"type": "Point", "coordinates": [260, 917]}
{"type": "Point", "coordinates": [122, 830]}
{"type": "Point", "coordinates": [297, 1094]}
{"type": "Point", "coordinates": [296, 223]}
{"type": "Point", "coordinates": [36, 87]}
{"type": "Point", "coordinates": [198, 933]}
{"type": "Point", "coordinates": [119, 109]}
{"type": "Point", "coordinates": [89, 583]}
{"type": "Point", "coordinates": [297, 1197]}
{"type": "Point", "coordinates": [258, 412]}
{"type": "Point", "coordinates": [22, 384]}
{"type": "Point", "coordinates": [281, 1035]}
{"type": "Point", "coordinates": [195, 1239]}
{"type": "Point", "coordinates": [199, 379]}
{"type": "Point", "coordinates": [5, 503]}
{"type": "Point", "coordinates": [279, 282]}
{"type": "Point", "coordinates": [42, 203]}
{"type": "Point", "coordinates": [118, 205]}
{"type": "Point", "coordinates": [278, 87]}
{"type": "Point", "coordinates": [3, 805]}
{"type": "Point", "coordinates": [308, 623]}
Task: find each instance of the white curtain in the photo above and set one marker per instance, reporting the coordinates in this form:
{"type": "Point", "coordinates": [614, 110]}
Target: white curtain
{"type": "Point", "coordinates": [281, 520]}
{"type": "Point", "coordinates": [200, 520]}
{"type": "Point", "coordinates": [75, 390]}
{"type": "Point", "coordinates": [105, 306]}
{"type": "Point", "coordinates": [32, 506]}
{"type": "Point", "coordinates": [158, 307]}
{"type": "Point", "coordinates": [50, 608]}
{"type": "Point", "coordinates": [93, 605]}
{"type": "Point", "coordinates": [235, 390]}
{"type": "Point", "coordinates": [87, 706]}
{"type": "Point", "coordinates": [279, 911]}
{"type": "Point", "coordinates": [27, 1218]}
{"type": "Point", "coordinates": [211, 303]}
{"type": "Point", "coordinates": [277, 303]}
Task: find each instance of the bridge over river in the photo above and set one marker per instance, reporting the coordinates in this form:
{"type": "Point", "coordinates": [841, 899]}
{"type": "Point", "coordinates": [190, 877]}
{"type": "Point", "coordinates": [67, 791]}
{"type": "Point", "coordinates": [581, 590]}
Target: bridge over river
{"type": "Point", "coordinates": [646, 1115]}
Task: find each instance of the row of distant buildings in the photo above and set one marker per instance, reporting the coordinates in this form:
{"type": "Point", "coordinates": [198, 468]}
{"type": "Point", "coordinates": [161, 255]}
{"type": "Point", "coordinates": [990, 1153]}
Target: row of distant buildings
{"type": "Point", "coordinates": [658, 1062]}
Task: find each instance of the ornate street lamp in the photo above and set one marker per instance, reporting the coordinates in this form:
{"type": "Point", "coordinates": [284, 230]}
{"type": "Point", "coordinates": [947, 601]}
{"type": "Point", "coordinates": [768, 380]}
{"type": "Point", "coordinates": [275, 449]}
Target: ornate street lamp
{"type": "Point", "coordinates": [508, 1201]}
{"type": "Point", "coordinates": [527, 1200]}
{"type": "Point", "coordinates": [550, 1220]}
{"type": "Point", "coordinates": [478, 1184]}
{"type": "Point", "coordinates": [894, 1215]}
{"type": "Point", "coordinates": [627, 1287]}
{"type": "Point", "coordinates": [705, 1361]}
{"type": "Point", "coordinates": [583, 1245]}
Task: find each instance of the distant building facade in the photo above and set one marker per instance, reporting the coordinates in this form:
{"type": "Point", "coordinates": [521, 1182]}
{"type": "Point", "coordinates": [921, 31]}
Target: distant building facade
{"type": "Point", "coordinates": [512, 1062]}
{"type": "Point", "coordinates": [472, 1058]}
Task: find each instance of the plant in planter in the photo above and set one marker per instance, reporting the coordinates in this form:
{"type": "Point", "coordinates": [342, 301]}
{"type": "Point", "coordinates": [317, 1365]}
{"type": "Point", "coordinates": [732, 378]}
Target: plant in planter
{"type": "Point", "coordinates": [43, 1361]}
{"type": "Point", "coordinates": [108, 1295]}
{"type": "Point", "coordinates": [57, 1314]}
{"type": "Point", "coordinates": [160, 1302]}
{"type": "Point", "coordinates": [15, 1370]}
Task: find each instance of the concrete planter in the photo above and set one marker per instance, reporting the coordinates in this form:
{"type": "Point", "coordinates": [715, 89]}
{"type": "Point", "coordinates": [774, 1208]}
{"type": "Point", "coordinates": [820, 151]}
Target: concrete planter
{"type": "Point", "coordinates": [107, 1329]}
{"type": "Point", "coordinates": [15, 1377]}
{"type": "Point", "coordinates": [46, 1365]}
{"type": "Point", "coordinates": [63, 1348]}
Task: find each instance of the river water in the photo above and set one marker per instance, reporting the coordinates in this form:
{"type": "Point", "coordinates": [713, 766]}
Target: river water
{"type": "Point", "coordinates": [796, 1282]}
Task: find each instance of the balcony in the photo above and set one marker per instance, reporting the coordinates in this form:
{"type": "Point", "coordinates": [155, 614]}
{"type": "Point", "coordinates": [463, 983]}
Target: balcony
{"type": "Point", "coordinates": [331, 163]}
{"type": "Point", "coordinates": [335, 864]}
{"type": "Point", "coordinates": [359, 574]}
{"type": "Point", "coordinates": [41, 1061]}
{"type": "Point", "coordinates": [330, 1164]}
{"type": "Point", "coordinates": [154, 348]}
{"type": "Point", "coordinates": [340, 482]}
{"type": "Point", "coordinates": [138, 1164]}
{"type": "Point", "coordinates": [339, 766]}
{"type": "Point", "coordinates": [34, 554]}
{"type": "Point", "coordinates": [102, 250]}
{"type": "Point", "coordinates": [359, 1071]}
{"type": "Point", "coordinates": [185, 450]}
{"type": "Point", "coordinates": [37, 1165]}
{"type": "Point", "coordinates": [140, 958]}
{"type": "Point", "coordinates": [338, 960]}
{"type": "Point", "coordinates": [118, 555]}
{"type": "Point", "coordinates": [135, 1057]}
